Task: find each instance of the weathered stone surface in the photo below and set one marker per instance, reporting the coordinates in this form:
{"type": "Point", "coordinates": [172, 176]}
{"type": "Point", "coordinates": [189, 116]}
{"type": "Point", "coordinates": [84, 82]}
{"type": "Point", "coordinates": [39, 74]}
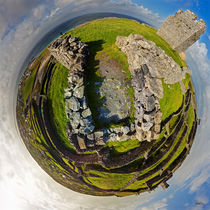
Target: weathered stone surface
{"type": "Point", "coordinates": [86, 113]}
{"type": "Point", "coordinates": [100, 142]}
{"type": "Point", "coordinates": [150, 103]}
{"type": "Point", "coordinates": [79, 92]}
{"type": "Point", "coordinates": [158, 63]}
{"type": "Point", "coordinates": [99, 135]}
{"type": "Point", "coordinates": [68, 94]}
{"type": "Point", "coordinates": [81, 142]}
{"type": "Point", "coordinates": [155, 86]}
{"type": "Point", "coordinates": [158, 117]}
{"type": "Point", "coordinates": [75, 119]}
{"type": "Point", "coordinates": [73, 104]}
{"type": "Point", "coordinates": [66, 49]}
{"type": "Point", "coordinates": [157, 128]}
{"type": "Point", "coordinates": [125, 129]}
{"type": "Point", "coordinates": [182, 30]}
{"type": "Point", "coordinates": [91, 137]}
{"type": "Point", "coordinates": [146, 126]}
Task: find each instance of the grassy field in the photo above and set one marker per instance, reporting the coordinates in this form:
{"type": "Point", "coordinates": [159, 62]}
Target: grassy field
{"type": "Point", "coordinates": [112, 181]}
{"type": "Point", "coordinates": [57, 104]}
{"type": "Point", "coordinates": [123, 147]}
{"type": "Point", "coordinates": [172, 99]}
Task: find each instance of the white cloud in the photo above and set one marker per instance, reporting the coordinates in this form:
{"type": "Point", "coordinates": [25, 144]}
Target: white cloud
{"type": "Point", "coordinates": [196, 168]}
{"type": "Point", "coordinates": [198, 53]}
{"type": "Point", "coordinates": [63, 3]}
{"type": "Point", "coordinates": [12, 11]}
{"type": "Point", "coordinates": [38, 12]}
{"type": "Point", "coordinates": [200, 179]}
{"type": "Point", "coordinates": [23, 184]}
{"type": "Point", "coordinates": [159, 205]}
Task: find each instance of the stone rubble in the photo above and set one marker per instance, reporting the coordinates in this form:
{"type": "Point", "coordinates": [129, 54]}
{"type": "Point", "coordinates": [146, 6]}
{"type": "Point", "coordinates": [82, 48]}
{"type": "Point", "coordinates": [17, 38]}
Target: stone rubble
{"type": "Point", "coordinates": [148, 64]}
{"type": "Point", "coordinates": [71, 52]}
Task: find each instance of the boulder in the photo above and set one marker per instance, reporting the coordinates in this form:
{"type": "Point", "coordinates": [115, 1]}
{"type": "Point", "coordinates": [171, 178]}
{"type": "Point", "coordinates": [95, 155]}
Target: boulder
{"type": "Point", "coordinates": [79, 92]}
{"type": "Point", "coordinates": [99, 134]}
{"type": "Point", "coordinates": [75, 119]}
{"type": "Point", "coordinates": [81, 142]}
{"type": "Point", "coordinates": [146, 126]}
{"type": "Point", "coordinates": [86, 113]}
{"type": "Point", "coordinates": [73, 104]}
{"type": "Point", "coordinates": [149, 103]}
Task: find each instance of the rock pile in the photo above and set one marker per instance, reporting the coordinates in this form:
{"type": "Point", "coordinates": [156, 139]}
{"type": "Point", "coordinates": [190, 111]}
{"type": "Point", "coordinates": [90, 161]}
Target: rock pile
{"type": "Point", "coordinates": [71, 52]}
{"type": "Point", "coordinates": [147, 107]}
{"type": "Point", "coordinates": [148, 64]}
{"type": "Point", "coordinates": [141, 51]}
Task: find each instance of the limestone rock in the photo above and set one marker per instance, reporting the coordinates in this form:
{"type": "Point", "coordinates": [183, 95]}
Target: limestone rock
{"type": "Point", "coordinates": [81, 142]}
{"type": "Point", "coordinates": [86, 113]}
{"type": "Point", "coordinates": [79, 92]}
{"type": "Point", "coordinates": [73, 104]}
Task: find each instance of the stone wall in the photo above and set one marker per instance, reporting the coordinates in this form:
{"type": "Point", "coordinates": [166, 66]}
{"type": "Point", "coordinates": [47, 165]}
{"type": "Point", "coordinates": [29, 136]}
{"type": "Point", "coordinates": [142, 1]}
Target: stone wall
{"type": "Point", "coordinates": [148, 64]}
{"type": "Point", "coordinates": [182, 30]}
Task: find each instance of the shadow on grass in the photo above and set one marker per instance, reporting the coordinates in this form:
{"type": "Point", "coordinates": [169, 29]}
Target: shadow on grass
{"type": "Point", "coordinates": [93, 83]}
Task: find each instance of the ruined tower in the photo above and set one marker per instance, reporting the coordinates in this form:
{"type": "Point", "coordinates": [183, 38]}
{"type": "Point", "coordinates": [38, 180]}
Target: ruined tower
{"type": "Point", "coordinates": [182, 30]}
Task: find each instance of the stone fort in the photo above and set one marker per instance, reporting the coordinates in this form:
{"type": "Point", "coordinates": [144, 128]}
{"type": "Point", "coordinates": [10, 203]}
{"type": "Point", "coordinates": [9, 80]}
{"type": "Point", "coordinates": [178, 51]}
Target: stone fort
{"type": "Point", "coordinates": [182, 30]}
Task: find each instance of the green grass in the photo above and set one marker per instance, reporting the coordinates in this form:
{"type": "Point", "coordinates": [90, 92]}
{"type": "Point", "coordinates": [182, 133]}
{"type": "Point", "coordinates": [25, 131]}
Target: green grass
{"type": "Point", "coordinates": [172, 99]}
{"type": "Point", "coordinates": [173, 122]}
{"type": "Point", "coordinates": [190, 117]}
{"type": "Point", "coordinates": [123, 146]}
{"type": "Point", "coordinates": [101, 36]}
{"type": "Point", "coordinates": [105, 180]}
{"type": "Point", "coordinates": [29, 84]}
{"type": "Point", "coordinates": [57, 104]}
{"type": "Point", "coordinates": [178, 152]}
{"type": "Point", "coordinates": [186, 80]}
{"type": "Point", "coordinates": [108, 29]}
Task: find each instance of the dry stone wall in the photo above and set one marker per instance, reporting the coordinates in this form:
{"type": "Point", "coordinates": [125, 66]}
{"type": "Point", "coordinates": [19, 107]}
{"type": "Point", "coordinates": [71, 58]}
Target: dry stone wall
{"type": "Point", "coordinates": [182, 30]}
{"type": "Point", "coordinates": [72, 53]}
{"type": "Point", "coordinates": [148, 64]}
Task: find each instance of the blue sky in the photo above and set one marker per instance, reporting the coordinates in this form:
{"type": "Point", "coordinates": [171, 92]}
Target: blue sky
{"type": "Point", "coordinates": [23, 185]}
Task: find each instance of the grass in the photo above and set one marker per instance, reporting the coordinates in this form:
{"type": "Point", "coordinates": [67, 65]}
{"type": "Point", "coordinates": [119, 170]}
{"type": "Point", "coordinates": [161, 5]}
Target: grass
{"type": "Point", "coordinates": [172, 99]}
{"type": "Point", "coordinates": [108, 181]}
{"type": "Point", "coordinates": [122, 147]}
{"type": "Point", "coordinates": [29, 84]}
{"type": "Point", "coordinates": [173, 122]}
{"type": "Point", "coordinates": [190, 117]}
{"type": "Point", "coordinates": [57, 104]}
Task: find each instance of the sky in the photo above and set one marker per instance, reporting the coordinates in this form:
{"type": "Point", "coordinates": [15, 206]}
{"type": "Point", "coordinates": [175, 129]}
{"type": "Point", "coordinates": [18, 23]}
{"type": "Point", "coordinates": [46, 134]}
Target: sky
{"type": "Point", "coordinates": [23, 184]}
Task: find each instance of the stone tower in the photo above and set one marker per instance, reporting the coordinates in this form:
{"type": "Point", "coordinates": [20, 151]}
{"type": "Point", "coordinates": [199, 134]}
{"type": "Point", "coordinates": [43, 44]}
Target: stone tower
{"type": "Point", "coordinates": [182, 30]}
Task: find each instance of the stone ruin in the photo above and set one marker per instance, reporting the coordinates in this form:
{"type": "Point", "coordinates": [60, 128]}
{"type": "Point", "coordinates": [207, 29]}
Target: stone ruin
{"type": "Point", "coordinates": [72, 53]}
{"type": "Point", "coordinates": [182, 30]}
{"type": "Point", "coordinates": [148, 64]}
